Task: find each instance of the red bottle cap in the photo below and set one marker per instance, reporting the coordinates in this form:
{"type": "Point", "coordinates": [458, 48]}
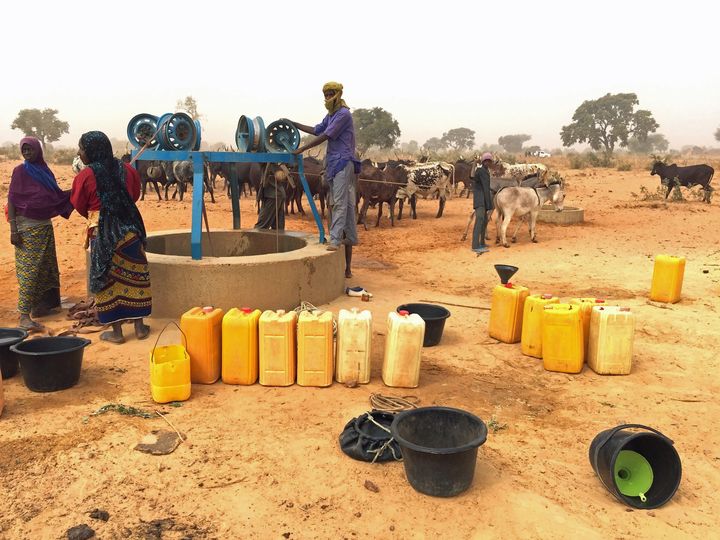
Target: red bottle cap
{"type": "Point", "coordinates": [599, 300]}
{"type": "Point", "coordinates": [246, 310]}
{"type": "Point", "coordinates": [547, 296]}
{"type": "Point", "coordinates": [403, 312]}
{"type": "Point", "coordinates": [509, 285]}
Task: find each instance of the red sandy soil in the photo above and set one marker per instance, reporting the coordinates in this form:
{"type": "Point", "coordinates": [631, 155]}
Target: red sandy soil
{"type": "Point", "coordinates": [265, 463]}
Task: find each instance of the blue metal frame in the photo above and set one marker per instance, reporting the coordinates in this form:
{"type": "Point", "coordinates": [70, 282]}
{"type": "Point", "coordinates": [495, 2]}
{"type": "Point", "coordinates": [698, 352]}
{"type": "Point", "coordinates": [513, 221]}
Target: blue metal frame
{"type": "Point", "coordinates": [199, 158]}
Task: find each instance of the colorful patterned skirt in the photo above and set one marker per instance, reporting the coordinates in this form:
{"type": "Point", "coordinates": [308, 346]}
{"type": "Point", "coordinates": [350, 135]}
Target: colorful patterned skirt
{"type": "Point", "coordinates": [127, 294]}
{"type": "Point", "coordinates": [37, 269]}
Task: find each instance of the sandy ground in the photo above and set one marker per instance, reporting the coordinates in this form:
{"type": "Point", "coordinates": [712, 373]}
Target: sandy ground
{"type": "Point", "coordinates": [264, 462]}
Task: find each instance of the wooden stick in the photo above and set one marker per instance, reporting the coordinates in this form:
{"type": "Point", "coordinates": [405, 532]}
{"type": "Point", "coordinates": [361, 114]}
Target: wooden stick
{"type": "Point", "coordinates": [226, 484]}
{"type": "Point", "coordinates": [457, 305]}
{"type": "Point", "coordinates": [655, 304]}
{"type": "Point", "coordinates": [182, 439]}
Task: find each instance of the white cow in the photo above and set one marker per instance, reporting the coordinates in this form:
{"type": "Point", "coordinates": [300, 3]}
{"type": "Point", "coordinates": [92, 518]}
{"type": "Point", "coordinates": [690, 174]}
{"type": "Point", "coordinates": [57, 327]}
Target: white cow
{"type": "Point", "coordinates": [426, 180]}
{"type": "Point", "coordinates": [520, 171]}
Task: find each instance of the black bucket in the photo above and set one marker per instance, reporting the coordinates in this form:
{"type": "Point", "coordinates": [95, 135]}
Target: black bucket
{"type": "Point", "coordinates": [8, 359]}
{"type": "Point", "coordinates": [439, 447]}
{"type": "Point", "coordinates": [434, 317]}
{"type": "Point", "coordinates": [652, 459]}
{"type": "Point", "coordinates": [51, 363]}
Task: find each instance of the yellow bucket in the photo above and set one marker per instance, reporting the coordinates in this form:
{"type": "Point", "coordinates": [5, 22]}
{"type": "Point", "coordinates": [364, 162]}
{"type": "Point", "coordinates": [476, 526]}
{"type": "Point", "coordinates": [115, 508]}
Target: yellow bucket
{"type": "Point", "coordinates": [170, 371]}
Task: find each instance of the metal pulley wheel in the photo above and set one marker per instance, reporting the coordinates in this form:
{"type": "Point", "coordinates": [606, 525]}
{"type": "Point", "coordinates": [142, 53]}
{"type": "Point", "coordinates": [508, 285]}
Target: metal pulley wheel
{"type": "Point", "coordinates": [140, 128]}
{"type": "Point", "coordinates": [163, 144]}
{"type": "Point", "coordinates": [199, 135]}
{"type": "Point", "coordinates": [250, 134]}
{"type": "Point", "coordinates": [282, 136]}
{"type": "Point", "coordinates": [179, 132]}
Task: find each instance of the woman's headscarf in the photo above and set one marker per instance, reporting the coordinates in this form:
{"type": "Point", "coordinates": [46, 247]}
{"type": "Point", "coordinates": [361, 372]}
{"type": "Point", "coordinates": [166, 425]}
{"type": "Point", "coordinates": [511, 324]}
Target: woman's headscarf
{"type": "Point", "coordinates": [334, 103]}
{"type": "Point", "coordinates": [37, 168]}
{"type": "Point", "coordinates": [34, 191]}
{"type": "Point", "coordinates": [118, 213]}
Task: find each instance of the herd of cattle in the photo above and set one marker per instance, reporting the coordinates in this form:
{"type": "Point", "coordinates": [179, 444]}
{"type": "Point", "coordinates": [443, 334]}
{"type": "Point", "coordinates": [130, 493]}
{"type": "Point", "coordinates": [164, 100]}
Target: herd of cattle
{"type": "Point", "coordinates": [398, 181]}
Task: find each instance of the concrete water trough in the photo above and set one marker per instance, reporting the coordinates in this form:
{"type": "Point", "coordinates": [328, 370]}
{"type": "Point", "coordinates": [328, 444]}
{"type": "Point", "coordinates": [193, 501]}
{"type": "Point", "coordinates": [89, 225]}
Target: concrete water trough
{"type": "Point", "coordinates": [256, 269]}
{"type": "Point", "coordinates": [569, 216]}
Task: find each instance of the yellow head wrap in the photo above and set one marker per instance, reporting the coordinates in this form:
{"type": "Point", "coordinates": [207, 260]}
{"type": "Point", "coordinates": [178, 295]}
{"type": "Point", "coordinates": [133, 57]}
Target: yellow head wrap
{"type": "Point", "coordinates": [334, 103]}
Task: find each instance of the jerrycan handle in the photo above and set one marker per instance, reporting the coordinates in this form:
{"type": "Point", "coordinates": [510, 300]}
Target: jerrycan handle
{"type": "Point", "coordinates": [623, 426]}
{"type": "Point", "coordinates": [161, 333]}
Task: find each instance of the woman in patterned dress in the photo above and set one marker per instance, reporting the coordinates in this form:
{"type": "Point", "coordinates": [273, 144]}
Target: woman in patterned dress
{"type": "Point", "coordinates": [34, 198]}
{"type": "Point", "coordinates": [105, 193]}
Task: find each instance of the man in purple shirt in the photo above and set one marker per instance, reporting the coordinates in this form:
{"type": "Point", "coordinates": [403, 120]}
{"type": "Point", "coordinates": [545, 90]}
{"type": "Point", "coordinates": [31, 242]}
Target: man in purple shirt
{"type": "Point", "coordinates": [341, 166]}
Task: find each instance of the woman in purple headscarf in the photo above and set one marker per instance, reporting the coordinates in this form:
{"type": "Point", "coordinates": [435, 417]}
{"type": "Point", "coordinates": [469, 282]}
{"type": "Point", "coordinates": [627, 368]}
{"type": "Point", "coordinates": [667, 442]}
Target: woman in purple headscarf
{"type": "Point", "coordinates": [34, 199]}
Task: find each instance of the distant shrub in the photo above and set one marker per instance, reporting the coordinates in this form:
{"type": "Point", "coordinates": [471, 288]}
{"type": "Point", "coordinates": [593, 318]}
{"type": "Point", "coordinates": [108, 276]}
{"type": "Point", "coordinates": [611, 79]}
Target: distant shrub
{"type": "Point", "coordinates": [577, 161]}
{"type": "Point", "coordinates": [10, 151]}
{"type": "Point", "coordinates": [647, 195]}
{"type": "Point", "coordinates": [624, 166]}
{"type": "Point", "coordinates": [63, 156]}
{"type": "Point", "coordinates": [508, 158]}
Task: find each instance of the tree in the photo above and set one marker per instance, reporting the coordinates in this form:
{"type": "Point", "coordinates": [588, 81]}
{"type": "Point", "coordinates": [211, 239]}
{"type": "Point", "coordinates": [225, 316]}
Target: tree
{"type": "Point", "coordinates": [459, 138]}
{"type": "Point", "coordinates": [190, 105]}
{"type": "Point", "coordinates": [717, 134]}
{"type": "Point", "coordinates": [608, 121]}
{"type": "Point", "coordinates": [44, 125]}
{"type": "Point", "coordinates": [513, 143]}
{"type": "Point", "coordinates": [374, 127]}
{"type": "Point", "coordinates": [655, 142]}
{"type": "Point", "coordinates": [434, 144]}
{"type": "Point", "coordinates": [411, 147]}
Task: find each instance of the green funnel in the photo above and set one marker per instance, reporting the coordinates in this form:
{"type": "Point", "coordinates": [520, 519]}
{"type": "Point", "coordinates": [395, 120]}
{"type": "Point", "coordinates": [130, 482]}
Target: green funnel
{"type": "Point", "coordinates": [633, 474]}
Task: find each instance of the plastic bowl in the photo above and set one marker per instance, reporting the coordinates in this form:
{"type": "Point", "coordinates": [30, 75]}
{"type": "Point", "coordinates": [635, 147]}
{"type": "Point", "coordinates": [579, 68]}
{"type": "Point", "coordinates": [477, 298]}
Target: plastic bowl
{"type": "Point", "coordinates": [434, 317]}
{"type": "Point", "coordinates": [51, 363]}
{"type": "Point", "coordinates": [8, 359]}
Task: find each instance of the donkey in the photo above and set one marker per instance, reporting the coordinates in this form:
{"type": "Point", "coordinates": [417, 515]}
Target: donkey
{"type": "Point", "coordinates": [521, 201]}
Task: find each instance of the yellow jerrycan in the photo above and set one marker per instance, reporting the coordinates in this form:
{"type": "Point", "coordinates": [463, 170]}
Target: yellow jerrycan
{"type": "Point", "coordinates": [562, 338]}
{"type": "Point", "coordinates": [203, 330]}
{"type": "Point", "coordinates": [667, 279]}
{"type": "Point", "coordinates": [586, 305]}
{"type": "Point", "coordinates": [170, 371]}
{"type": "Point", "coordinates": [315, 363]}
{"type": "Point", "coordinates": [403, 349]}
{"type": "Point", "coordinates": [506, 312]}
{"type": "Point", "coordinates": [354, 340]}
{"type": "Point", "coordinates": [612, 332]}
{"type": "Point", "coordinates": [531, 335]}
{"type": "Point", "coordinates": [240, 346]}
{"type": "Point", "coordinates": [276, 338]}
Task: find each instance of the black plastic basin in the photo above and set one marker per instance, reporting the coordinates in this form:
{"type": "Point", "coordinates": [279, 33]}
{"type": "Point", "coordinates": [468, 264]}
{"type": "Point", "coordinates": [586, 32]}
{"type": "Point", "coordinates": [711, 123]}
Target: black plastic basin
{"type": "Point", "coordinates": [439, 447]}
{"type": "Point", "coordinates": [8, 359]}
{"type": "Point", "coordinates": [434, 317]}
{"type": "Point", "coordinates": [51, 363]}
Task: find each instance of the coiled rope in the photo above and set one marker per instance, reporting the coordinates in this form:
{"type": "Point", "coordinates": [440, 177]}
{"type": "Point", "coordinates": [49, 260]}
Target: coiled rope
{"type": "Point", "coordinates": [393, 403]}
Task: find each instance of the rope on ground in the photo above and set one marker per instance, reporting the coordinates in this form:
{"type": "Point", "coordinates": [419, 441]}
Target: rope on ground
{"type": "Point", "coordinates": [379, 451]}
{"type": "Point", "coordinates": [307, 306]}
{"type": "Point", "coordinates": [393, 403]}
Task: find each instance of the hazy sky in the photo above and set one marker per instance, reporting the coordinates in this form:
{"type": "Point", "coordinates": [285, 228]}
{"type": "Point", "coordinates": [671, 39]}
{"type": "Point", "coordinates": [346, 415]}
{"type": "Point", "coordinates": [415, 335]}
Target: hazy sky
{"type": "Point", "coordinates": [497, 68]}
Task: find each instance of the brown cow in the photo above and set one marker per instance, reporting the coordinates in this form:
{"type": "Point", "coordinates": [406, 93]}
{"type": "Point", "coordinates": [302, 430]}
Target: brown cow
{"type": "Point", "coordinates": [373, 188]}
{"type": "Point", "coordinates": [314, 174]}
